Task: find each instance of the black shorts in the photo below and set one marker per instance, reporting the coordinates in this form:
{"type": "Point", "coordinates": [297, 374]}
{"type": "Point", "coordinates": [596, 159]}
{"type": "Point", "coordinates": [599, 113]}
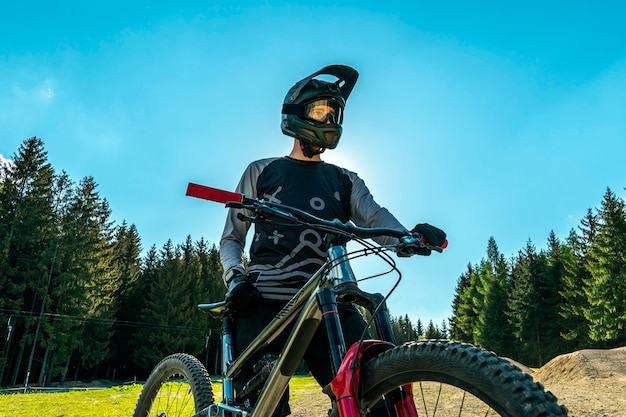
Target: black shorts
{"type": "Point", "coordinates": [248, 324]}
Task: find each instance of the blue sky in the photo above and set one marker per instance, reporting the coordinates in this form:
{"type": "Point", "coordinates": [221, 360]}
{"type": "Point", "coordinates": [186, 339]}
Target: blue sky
{"type": "Point", "coordinates": [504, 119]}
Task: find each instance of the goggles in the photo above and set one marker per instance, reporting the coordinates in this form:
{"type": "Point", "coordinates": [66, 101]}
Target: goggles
{"type": "Point", "coordinates": [323, 110]}
{"type": "Point", "coordinates": [318, 111]}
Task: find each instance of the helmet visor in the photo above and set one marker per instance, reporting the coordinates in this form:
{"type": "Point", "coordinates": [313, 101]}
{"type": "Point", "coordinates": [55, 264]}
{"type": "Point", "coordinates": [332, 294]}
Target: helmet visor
{"type": "Point", "coordinates": [324, 110]}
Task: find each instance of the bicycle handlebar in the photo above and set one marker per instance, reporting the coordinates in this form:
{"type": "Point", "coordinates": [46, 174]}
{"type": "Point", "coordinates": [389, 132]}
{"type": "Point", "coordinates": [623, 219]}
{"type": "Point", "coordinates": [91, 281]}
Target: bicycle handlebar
{"type": "Point", "coordinates": [237, 200]}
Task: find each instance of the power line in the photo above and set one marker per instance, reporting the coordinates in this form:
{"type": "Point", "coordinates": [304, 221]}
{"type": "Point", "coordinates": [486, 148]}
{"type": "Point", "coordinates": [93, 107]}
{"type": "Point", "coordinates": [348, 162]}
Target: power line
{"type": "Point", "coordinates": [103, 321]}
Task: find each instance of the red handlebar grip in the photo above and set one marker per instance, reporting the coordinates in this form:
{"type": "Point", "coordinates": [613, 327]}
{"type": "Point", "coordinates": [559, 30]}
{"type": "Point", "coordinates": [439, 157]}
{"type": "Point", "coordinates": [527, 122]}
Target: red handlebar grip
{"type": "Point", "coordinates": [212, 194]}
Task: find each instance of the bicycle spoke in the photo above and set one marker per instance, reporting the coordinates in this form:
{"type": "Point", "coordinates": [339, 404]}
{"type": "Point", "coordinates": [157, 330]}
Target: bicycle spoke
{"type": "Point", "coordinates": [462, 402]}
{"type": "Point", "coordinates": [442, 400]}
{"type": "Point", "coordinates": [437, 402]}
{"type": "Point", "coordinates": [423, 399]}
{"type": "Point", "coordinates": [173, 399]}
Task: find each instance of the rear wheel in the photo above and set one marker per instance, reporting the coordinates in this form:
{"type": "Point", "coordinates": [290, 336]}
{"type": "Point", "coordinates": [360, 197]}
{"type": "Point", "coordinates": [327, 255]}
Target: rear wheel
{"type": "Point", "coordinates": [454, 379]}
{"type": "Point", "coordinates": [178, 386]}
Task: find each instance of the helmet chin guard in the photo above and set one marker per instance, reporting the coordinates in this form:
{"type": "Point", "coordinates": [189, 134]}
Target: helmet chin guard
{"type": "Point", "coordinates": [296, 122]}
{"type": "Point", "coordinates": [307, 149]}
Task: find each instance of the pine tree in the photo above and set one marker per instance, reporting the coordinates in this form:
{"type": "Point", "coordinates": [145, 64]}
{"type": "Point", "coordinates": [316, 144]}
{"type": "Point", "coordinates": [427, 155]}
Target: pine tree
{"type": "Point", "coordinates": [552, 301]}
{"type": "Point", "coordinates": [606, 286]}
{"type": "Point", "coordinates": [148, 279]}
{"type": "Point", "coordinates": [149, 271]}
{"type": "Point", "coordinates": [432, 332]}
{"type": "Point", "coordinates": [191, 276]}
{"type": "Point", "coordinates": [70, 282]}
{"type": "Point", "coordinates": [212, 286]}
{"type": "Point", "coordinates": [405, 331]}
{"type": "Point", "coordinates": [419, 330]}
{"type": "Point", "coordinates": [128, 298]}
{"type": "Point", "coordinates": [86, 282]}
{"type": "Point", "coordinates": [56, 332]}
{"type": "Point", "coordinates": [166, 314]}
{"type": "Point", "coordinates": [443, 330]}
{"type": "Point", "coordinates": [466, 317]}
{"type": "Point", "coordinates": [27, 241]}
{"type": "Point", "coordinates": [460, 325]}
{"type": "Point", "coordinates": [491, 331]}
{"type": "Point", "coordinates": [534, 305]}
{"type": "Point", "coordinates": [524, 300]}
{"type": "Point", "coordinates": [575, 325]}
{"type": "Point", "coordinates": [397, 329]}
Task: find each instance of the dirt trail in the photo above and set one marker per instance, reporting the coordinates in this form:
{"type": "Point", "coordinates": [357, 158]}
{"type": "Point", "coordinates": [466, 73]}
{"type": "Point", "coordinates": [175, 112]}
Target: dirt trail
{"type": "Point", "coordinates": [590, 383]}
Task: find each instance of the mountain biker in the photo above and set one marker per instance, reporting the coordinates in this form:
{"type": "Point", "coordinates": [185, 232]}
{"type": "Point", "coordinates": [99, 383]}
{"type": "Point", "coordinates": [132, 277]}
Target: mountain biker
{"type": "Point", "coordinates": [282, 259]}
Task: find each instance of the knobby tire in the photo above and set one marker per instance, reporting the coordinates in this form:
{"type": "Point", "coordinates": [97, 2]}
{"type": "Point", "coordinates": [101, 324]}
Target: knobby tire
{"type": "Point", "coordinates": [178, 386]}
{"type": "Point", "coordinates": [467, 375]}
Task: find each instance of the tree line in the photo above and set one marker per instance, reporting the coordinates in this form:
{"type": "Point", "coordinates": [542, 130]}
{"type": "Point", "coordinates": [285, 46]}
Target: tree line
{"type": "Point", "coordinates": [542, 303]}
{"type": "Point", "coordinates": [79, 300]}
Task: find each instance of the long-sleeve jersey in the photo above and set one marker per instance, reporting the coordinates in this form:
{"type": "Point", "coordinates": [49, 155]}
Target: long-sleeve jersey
{"type": "Point", "coordinates": [283, 258]}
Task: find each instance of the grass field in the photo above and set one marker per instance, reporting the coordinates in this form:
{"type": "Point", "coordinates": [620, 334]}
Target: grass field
{"type": "Point", "coordinates": [106, 402]}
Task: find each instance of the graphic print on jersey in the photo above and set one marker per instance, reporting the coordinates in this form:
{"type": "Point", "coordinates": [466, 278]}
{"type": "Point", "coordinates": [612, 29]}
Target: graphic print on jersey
{"type": "Point", "coordinates": [283, 259]}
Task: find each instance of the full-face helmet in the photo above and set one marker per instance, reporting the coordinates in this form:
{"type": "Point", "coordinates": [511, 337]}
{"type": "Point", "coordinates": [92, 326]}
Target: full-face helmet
{"type": "Point", "coordinates": [313, 108]}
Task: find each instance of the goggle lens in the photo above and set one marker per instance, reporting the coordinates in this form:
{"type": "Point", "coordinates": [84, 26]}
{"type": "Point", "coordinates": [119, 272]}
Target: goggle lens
{"type": "Point", "coordinates": [323, 110]}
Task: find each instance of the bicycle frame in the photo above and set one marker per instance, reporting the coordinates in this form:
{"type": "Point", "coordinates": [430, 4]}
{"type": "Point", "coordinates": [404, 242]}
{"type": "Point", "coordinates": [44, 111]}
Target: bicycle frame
{"type": "Point", "coordinates": [315, 301]}
{"type": "Point", "coordinates": [493, 382]}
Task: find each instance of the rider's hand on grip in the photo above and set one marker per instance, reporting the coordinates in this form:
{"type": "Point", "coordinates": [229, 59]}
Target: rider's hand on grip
{"type": "Point", "coordinates": [430, 235]}
{"type": "Point", "coordinates": [241, 294]}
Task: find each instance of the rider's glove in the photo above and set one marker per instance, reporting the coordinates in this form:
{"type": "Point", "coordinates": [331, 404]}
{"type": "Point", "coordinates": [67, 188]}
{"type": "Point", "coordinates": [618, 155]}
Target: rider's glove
{"type": "Point", "coordinates": [431, 235]}
{"type": "Point", "coordinates": [241, 294]}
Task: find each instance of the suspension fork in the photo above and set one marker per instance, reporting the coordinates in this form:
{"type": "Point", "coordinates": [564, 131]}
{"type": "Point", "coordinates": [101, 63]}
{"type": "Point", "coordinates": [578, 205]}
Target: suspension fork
{"type": "Point", "coordinates": [330, 314]}
{"type": "Point", "coordinates": [346, 365]}
{"type": "Point", "coordinates": [376, 304]}
{"type": "Point", "coordinates": [348, 380]}
{"type": "Point", "coordinates": [402, 397]}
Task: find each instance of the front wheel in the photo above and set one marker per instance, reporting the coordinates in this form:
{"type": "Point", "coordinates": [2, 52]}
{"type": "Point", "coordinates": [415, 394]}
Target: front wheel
{"type": "Point", "coordinates": [455, 379]}
{"type": "Point", "coordinates": [178, 386]}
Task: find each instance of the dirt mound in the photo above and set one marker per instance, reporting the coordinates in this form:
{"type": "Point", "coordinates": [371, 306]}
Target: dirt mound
{"type": "Point", "coordinates": [584, 365]}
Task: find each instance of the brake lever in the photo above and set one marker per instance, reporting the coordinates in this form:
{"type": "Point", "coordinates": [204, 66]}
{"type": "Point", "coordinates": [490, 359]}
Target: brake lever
{"type": "Point", "coordinates": [415, 239]}
{"type": "Point", "coordinates": [433, 247]}
{"type": "Point", "coordinates": [261, 210]}
{"type": "Point", "coordinates": [245, 218]}
{"type": "Point", "coordinates": [241, 216]}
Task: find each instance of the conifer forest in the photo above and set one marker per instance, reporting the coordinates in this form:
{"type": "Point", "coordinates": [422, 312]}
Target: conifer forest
{"type": "Point", "coordinates": [81, 299]}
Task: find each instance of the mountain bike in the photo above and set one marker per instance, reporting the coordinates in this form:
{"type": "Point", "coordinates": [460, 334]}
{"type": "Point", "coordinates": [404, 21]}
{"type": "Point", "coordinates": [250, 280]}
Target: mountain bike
{"type": "Point", "coordinates": [430, 377]}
